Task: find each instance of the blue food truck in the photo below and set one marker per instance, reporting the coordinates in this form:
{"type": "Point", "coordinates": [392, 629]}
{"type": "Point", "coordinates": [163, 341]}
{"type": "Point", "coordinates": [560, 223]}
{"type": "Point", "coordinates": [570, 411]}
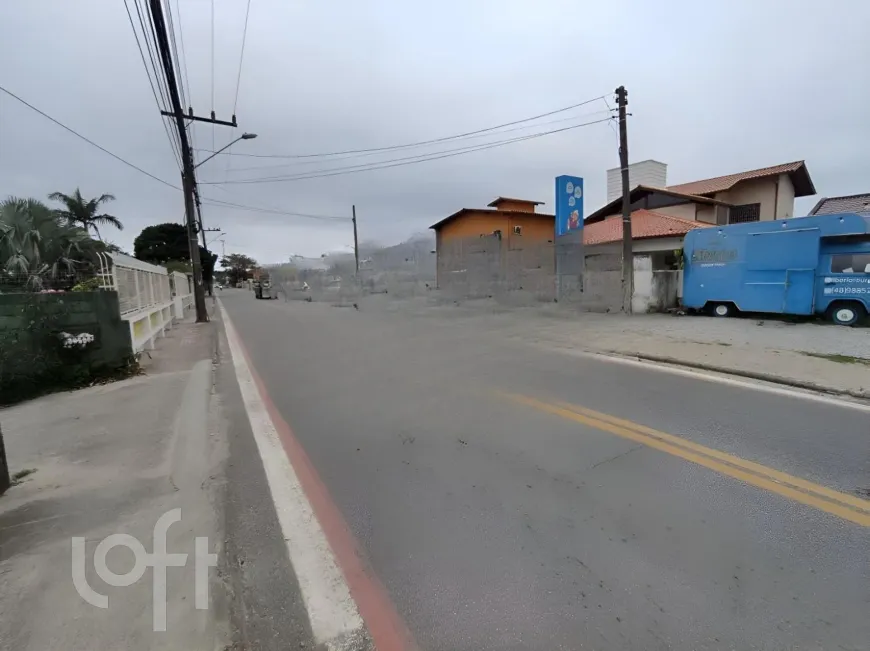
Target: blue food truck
{"type": "Point", "coordinates": [804, 265]}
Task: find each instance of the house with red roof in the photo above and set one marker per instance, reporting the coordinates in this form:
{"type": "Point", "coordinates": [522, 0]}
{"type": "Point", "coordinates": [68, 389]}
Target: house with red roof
{"type": "Point", "coordinates": [661, 215]}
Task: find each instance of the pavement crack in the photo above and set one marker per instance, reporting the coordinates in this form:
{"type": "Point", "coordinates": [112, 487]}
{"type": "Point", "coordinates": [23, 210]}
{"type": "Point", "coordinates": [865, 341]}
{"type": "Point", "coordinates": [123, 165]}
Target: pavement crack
{"type": "Point", "coordinates": [617, 456]}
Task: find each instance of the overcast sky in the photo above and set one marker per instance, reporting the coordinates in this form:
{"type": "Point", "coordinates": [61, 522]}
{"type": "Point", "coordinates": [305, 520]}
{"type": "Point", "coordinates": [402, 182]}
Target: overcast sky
{"type": "Point", "coordinates": [714, 88]}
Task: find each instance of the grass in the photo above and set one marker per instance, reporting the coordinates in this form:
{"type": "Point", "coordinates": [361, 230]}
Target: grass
{"type": "Point", "coordinates": [839, 359]}
{"type": "Point", "coordinates": [19, 476]}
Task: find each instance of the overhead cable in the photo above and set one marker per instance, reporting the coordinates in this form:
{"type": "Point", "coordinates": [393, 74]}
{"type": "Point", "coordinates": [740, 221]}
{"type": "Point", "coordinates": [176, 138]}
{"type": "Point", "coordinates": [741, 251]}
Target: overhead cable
{"type": "Point", "coordinates": [422, 142]}
{"type": "Point", "coordinates": [399, 162]}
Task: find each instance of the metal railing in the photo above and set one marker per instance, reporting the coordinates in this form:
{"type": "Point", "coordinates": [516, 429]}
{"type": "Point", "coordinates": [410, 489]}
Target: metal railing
{"type": "Point", "coordinates": [149, 297]}
{"type": "Point", "coordinates": [182, 290]}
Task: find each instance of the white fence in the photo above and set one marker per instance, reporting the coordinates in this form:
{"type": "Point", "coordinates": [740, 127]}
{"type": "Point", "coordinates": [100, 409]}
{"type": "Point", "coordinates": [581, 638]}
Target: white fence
{"type": "Point", "coordinates": [181, 286]}
{"type": "Point", "coordinates": [150, 297]}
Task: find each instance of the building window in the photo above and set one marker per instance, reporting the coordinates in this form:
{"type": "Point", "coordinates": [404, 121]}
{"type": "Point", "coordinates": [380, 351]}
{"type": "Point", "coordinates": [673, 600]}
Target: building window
{"type": "Point", "coordinates": [749, 212]}
{"type": "Point", "coordinates": [850, 263]}
{"type": "Point", "coordinates": [518, 230]}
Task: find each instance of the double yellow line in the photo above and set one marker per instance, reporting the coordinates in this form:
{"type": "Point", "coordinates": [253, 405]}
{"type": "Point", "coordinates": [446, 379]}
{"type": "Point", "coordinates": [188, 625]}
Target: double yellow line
{"type": "Point", "coordinates": [848, 507]}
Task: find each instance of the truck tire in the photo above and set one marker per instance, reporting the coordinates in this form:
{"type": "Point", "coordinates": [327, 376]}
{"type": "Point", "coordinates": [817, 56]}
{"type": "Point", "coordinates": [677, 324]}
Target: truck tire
{"type": "Point", "coordinates": [723, 309]}
{"type": "Point", "coordinates": [847, 313]}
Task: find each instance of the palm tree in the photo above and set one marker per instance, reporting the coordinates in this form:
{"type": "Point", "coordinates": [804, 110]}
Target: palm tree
{"type": "Point", "coordinates": [36, 247]}
{"type": "Point", "coordinates": [81, 212]}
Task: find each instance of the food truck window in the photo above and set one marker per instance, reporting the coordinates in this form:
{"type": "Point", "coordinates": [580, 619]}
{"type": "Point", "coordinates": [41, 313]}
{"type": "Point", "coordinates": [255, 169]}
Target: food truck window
{"type": "Point", "coordinates": [850, 263]}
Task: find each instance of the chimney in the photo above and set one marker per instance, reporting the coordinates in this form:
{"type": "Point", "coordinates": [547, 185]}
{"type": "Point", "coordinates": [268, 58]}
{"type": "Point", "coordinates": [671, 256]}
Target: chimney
{"type": "Point", "coordinates": [647, 172]}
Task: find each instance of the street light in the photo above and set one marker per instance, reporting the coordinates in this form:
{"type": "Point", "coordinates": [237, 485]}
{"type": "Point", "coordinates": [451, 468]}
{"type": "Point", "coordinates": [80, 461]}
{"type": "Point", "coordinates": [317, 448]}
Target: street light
{"type": "Point", "coordinates": [244, 136]}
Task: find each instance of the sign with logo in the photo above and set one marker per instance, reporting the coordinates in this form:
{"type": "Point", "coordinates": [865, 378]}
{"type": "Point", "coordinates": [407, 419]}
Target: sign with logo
{"type": "Point", "coordinates": [569, 204]}
{"type": "Point", "coordinates": [857, 284]}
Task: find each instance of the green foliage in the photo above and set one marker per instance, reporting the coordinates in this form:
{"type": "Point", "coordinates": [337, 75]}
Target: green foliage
{"type": "Point", "coordinates": [161, 243]}
{"type": "Point", "coordinates": [37, 250]}
{"type": "Point", "coordinates": [89, 285]}
{"type": "Point", "coordinates": [78, 211]}
{"type": "Point", "coordinates": [208, 263]}
{"type": "Point", "coordinates": [178, 265]}
{"type": "Point", "coordinates": [238, 267]}
{"type": "Point", "coordinates": [33, 360]}
{"type": "Point", "coordinates": [167, 245]}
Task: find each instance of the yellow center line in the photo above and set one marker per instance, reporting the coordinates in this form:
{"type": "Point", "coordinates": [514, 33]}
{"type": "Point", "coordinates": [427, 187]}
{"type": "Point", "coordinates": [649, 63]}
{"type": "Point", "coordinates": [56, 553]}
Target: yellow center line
{"type": "Point", "coordinates": [845, 506]}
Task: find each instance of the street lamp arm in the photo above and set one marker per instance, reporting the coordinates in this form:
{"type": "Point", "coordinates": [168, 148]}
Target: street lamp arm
{"type": "Point", "coordinates": [244, 136]}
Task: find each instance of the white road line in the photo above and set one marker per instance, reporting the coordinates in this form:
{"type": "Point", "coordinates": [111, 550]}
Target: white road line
{"type": "Point", "coordinates": [754, 385]}
{"type": "Point", "coordinates": [333, 614]}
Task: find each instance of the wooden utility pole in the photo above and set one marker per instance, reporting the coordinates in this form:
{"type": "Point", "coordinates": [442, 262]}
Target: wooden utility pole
{"type": "Point", "coordinates": [627, 249]}
{"type": "Point", "coordinates": [188, 181]}
{"type": "Point", "coordinates": [188, 175]}
{"type": "Point", "coordinates": [355, 242]}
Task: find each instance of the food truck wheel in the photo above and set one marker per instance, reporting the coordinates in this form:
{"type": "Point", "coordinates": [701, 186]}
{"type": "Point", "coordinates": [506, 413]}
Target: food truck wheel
{"type": "Point", "coordinates": [723, 309]}
{"type": "Point", "coordinates": [846, 313]}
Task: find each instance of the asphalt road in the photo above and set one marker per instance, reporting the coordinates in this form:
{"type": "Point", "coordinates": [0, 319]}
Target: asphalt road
{"type": "Point", "coordinates": [498, 517]}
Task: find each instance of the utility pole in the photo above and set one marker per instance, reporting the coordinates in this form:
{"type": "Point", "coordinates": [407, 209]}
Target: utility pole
{"type": "Point", "coordinates": [355, 243]}
{"type": "Point", "coordinates": [627, 249]}
{"type": "Point", "coordinates": [188, 178]}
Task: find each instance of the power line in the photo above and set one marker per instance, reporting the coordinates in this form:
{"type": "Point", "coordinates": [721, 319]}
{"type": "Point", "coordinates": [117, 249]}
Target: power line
{"type": "Point", "coordinates": [242, 56]}
{"type": "Point", "coordinates": [367, 154]}
{"type": "Point", "coordinates": [217, 202]}
{"type": "Point", "coordinates": [400, 162]}
{"type": "Point", "coordinates": [423, 142]}
{"type": "Point", "coordinates": [212, 71]}
{"type": "Point", "coordinates": [88, 140]}
{"type": "Point", "coordinates": [183, 57]}
{"type": "Point", "coordinates": [229, 204]}
{"type": "Point", "coordinates": [151, 83]}
{"type": "Point", "coordinates": [181, 39]}
{"type": "Point", "coordinates": [159, 72]}
{"type": "Point", "coordinates": [176, 58]}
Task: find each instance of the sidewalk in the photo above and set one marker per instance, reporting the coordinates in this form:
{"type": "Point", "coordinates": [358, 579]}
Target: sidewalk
{"type": "Point", "coordinates": [807, 355]}
{"type": "Point", "coordinates": [810, 355]}
{"type": "Point", "coordinates": [113, 459]}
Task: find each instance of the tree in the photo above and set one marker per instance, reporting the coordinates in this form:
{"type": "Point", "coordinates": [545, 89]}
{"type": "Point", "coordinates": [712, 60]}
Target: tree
{"type": "Point", "coordinates": [79, 211]}
{"type": "Point", "coordinates": [238, 267]}
{"type": "Point", "coordinates": [38, 248]}
{"type": "Point", "coordinates": [161, 243]}
{"type": "Point", "coordinates": [167, 245]}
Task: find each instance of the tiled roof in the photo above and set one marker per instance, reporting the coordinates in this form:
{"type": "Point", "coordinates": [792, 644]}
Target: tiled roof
{"type": "Point", "coordinates": [722, 183]}
{"type": "Point", "coordinates": [641, 191]}
{"type": "Point", "coordinates": [850, 203]}
{"type": "Point", "coordinates": [507, 213]}
{"type": "Point", "coordinates": [644, 224]}
{"type": "Point", "coordinates": [494, 203]}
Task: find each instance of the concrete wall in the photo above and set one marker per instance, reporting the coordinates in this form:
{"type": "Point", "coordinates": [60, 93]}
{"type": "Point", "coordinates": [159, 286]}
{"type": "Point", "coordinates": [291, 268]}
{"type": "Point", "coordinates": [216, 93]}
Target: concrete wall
{"type": "Point", "coordinates": [518, 205]}
{"type": "Point", "coordinates": [535, 227]}
{"type": "Point", "coordinates": [785, 199]}
{"type": "Point", "coordinates": [653, 290]}
{"type": "Point", "coordinates": [525, 274]}
{"type": "Point", "coordinates": [22, 342]}
{"type": "Point", "coordinates": [706, 214]}
{"type": "Point", "coordinates": [642, 297]}
{"type": "Point", "coordinates": [647, 172]}
{"type": "Point", "coordinates": [769, 192]}
{"type": "Point", "coordinates": [656, 244]}
{"type": "Point", "coordinates": [602, 280]}
{"type": "Point", "coordinates": [683, 211]}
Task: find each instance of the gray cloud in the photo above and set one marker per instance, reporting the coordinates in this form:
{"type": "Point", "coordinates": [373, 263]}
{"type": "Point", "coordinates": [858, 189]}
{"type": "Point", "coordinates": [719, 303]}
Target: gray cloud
{"type": "Point", "coordinates": [714, 88]}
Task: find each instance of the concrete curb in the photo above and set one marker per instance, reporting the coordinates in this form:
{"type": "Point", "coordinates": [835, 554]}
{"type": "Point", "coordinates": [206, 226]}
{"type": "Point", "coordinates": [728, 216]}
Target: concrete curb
{"type": "Point", "coordinates": [753, 375]}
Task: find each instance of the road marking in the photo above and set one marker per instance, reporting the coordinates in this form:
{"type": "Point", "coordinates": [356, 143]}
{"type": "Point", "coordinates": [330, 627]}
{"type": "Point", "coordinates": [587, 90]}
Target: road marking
{"type": "Point", "coordinates": [754, 385]}
{"type": "Point", "coordinates": [848, 507]}
{"type": "Point", "coordinates": [333, 615]}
